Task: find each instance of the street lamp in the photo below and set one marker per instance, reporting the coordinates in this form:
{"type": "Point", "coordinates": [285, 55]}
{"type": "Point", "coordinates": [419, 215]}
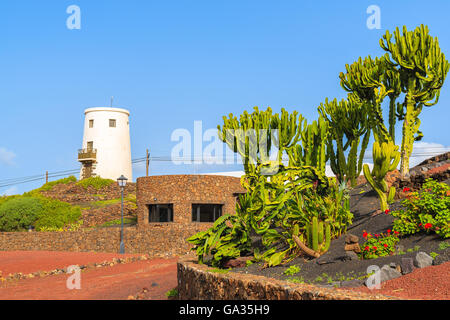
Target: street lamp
{"type": "Point", "coordinates": [122, 181]}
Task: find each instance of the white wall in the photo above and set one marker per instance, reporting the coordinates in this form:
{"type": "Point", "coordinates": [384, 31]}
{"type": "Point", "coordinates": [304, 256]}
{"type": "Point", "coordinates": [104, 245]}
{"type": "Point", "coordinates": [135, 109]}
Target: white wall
{"type": "Point", "coordinates": [112, 143]}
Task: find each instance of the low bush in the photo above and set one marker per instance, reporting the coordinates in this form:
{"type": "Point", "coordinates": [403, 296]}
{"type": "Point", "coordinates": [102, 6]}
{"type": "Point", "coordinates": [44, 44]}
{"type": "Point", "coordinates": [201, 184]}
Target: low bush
{"type": "Point", "coordinates": [45, 214]}
{"type": "Point", "coordinates": [49, 185]}
{"type": "Point", "coordinates": [18, 214]}
{"type": "Point", "coordinates": [427, 210]}
{"type": "Point", "coordinates": [57, 214]}
{"type": "Point", "coordinates": [95, 182]}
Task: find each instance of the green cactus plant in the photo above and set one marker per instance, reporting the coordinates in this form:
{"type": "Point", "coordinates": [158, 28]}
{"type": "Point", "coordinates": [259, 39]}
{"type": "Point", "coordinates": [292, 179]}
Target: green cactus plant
{"type": "Point", "coordinates": [385, 159]}
{"type": "Point", "coordinates": [348, 122]}
{"type": "Point", "coordinates": [318, 236]}
{"type": "Point", "coordinates": [418, 68]}
{"type": "Point", "coordinates": [312, 149]}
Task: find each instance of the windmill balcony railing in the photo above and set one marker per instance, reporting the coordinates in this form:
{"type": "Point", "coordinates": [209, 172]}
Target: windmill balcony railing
{"type": "Point", "coordinates": [87, 154]}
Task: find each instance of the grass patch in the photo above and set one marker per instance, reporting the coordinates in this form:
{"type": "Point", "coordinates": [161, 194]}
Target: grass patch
{"type": "Point", "coordinates": [95, 182]}
{"type": "Point", "coordinates": [49, 185]}
{"type": "Point", "coordinates": [217, 270]}
{"type": "Point", "coordinates": [119, 221]}
{"type": "Point", "coordinates": [298, 279]}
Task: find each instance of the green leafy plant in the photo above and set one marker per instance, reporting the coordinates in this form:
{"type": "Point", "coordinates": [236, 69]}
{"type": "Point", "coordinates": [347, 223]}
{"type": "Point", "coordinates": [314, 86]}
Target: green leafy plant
{"type": "Point", "coordinates": [378, 245]}
{"type": "Point", "coordinates": [227, 238]}
{"type": "Point", "coordinates": [292, 270]}
{"type": "Point", "coordinates": [172, 293]}
{"type": "Point", "coordinates": [427, 210]}
{"type": "Point", "coordinates": [433, 254]}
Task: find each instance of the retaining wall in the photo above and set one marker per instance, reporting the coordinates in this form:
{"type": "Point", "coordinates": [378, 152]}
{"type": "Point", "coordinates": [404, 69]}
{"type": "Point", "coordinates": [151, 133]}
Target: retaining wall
{"type": "Point", "coordinates": [163, 239]}
{"type": "Point", "coordinates": [195, 282]}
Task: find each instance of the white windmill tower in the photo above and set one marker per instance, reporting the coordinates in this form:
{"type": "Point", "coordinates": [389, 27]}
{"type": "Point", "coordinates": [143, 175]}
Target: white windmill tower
{"type": "Point", "coordinates": [106, 150]}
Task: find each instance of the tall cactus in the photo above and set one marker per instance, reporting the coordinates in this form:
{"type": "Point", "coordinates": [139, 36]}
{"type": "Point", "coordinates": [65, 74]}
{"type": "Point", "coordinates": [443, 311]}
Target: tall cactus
{"type": "Point", "coordinates": [318, 235]}
{"type": "Point", "coordinates": [348, 122]}
{"type": "Point", "coordinates": [366, 79]}
{"type": "Point", "coordinates": [419, 68]}
{"type": "Point", "coordinates": [385, 159]}
{"type": "Point", "coordinates": [312, 149]}
{"type": "Point", "coordinates": [248, 135]}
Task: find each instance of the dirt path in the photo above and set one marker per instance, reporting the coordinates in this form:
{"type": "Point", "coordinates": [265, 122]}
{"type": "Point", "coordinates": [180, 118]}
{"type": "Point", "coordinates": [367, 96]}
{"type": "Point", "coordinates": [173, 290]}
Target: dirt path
{"type": "Point", "coordinates": [33, 261]}
{"type": "Point", "coordinates": [116, 282]}
{"type": "Point", "coordinates": [430, 283]}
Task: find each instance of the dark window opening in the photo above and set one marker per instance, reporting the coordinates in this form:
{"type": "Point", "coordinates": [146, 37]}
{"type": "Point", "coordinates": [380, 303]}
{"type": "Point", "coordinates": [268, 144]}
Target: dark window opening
{"type": "Point", "coordinates": [112, 123]}
{"type": "Point", "coordinates": [160, 213]}
{"type": "Point", "coordinates": [91, 123]}
{"type": "Point", "coordinates": [206, 212]}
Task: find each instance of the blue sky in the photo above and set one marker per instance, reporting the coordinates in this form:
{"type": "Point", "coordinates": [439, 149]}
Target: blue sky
{"type": "Point", "coordinates": [173, 62]}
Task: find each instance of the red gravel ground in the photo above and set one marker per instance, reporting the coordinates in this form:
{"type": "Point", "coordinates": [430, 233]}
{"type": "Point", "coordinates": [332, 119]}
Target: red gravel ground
{"type": "Point", "coordinates": [33, 261]}
{"type": "Point", "coordinates": [430, 283]}
{"type": "Point", "coordinates": [117, 282]}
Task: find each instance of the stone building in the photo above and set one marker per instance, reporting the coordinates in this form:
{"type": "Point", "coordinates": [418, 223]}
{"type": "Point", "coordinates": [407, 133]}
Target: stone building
{"type": "Point", "coordinates": [185, 199]}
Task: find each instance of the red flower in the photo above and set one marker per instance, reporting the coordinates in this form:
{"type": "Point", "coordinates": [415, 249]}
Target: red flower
{"type": "Point", "coordinates": [395, 232]}
{"type": "Point", "coordinates": [420, 224]}
{"type": "Point", "coordinates": [374, 248]}
{"type": "Point", "coordinates": [365, 234]}
{"type": "Point", "coordinates": [427, 225]}
{"type": "Point", "coordinates": [385, 245]}
{"type": "Point", "coordinates": [376, 235]}
{"type": "Point", "coordinates": [386, 211]}
{"type": "Point", "coordinates": [366, 248]}
{"type": "Point", "coordinates": [389, 231]}
{"type": "Point", "coordinates": [406, 189]}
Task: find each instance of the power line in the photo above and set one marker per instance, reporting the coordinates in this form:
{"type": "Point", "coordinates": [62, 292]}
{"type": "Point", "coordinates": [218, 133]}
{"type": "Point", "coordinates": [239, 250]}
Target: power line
{"type": "Point", "coordinates": [27, 179]}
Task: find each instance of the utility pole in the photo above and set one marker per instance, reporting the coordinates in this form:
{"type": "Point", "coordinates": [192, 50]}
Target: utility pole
{"type": "Point", "coordinates": [147, 162]}
{"type": "Point", "coordinates": [46, 176]}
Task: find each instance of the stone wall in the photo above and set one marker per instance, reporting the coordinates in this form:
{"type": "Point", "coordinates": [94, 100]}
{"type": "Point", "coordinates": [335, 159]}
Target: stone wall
{"type": "Point", "coordinates": [184, 190]}
{"type": "Point", "coordinates": [195, 282]}
{"type": "Point", "coordinates": [157, 240]}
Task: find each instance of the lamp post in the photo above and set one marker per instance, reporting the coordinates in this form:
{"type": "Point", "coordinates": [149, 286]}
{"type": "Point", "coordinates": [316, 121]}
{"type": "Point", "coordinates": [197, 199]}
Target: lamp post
{"type": "Point", "coordinates": [122, 181]}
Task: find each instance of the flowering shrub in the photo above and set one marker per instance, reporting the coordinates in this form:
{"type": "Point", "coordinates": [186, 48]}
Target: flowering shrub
{"type": "Point", "coordinates": [427, 211]}
{"type": "Point", "coordinates": [379, 245]}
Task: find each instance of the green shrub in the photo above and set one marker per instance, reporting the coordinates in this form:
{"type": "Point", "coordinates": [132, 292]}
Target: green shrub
{"type": "Point", "coordinates": [45, 214]}
{"type": "Point", "coordinates": [96, 182]}
{"type": "Point", "coordinates": [49, 185]}
{"type": "Point", "coordinates": [57, 214]}
{"type": "Point", "coordinates": [18, 214]}
{"type": "Point", "coordinates": [427, 210]}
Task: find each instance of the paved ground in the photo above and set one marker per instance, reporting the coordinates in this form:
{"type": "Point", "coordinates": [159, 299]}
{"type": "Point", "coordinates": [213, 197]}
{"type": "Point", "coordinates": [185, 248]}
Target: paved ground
{"type": "Point", "coordinates": [117, 282]}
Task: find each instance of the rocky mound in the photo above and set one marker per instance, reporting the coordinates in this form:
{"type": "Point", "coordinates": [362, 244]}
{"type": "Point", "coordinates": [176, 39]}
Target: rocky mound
{"type": "Point", "coordinates": [99, 206]}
